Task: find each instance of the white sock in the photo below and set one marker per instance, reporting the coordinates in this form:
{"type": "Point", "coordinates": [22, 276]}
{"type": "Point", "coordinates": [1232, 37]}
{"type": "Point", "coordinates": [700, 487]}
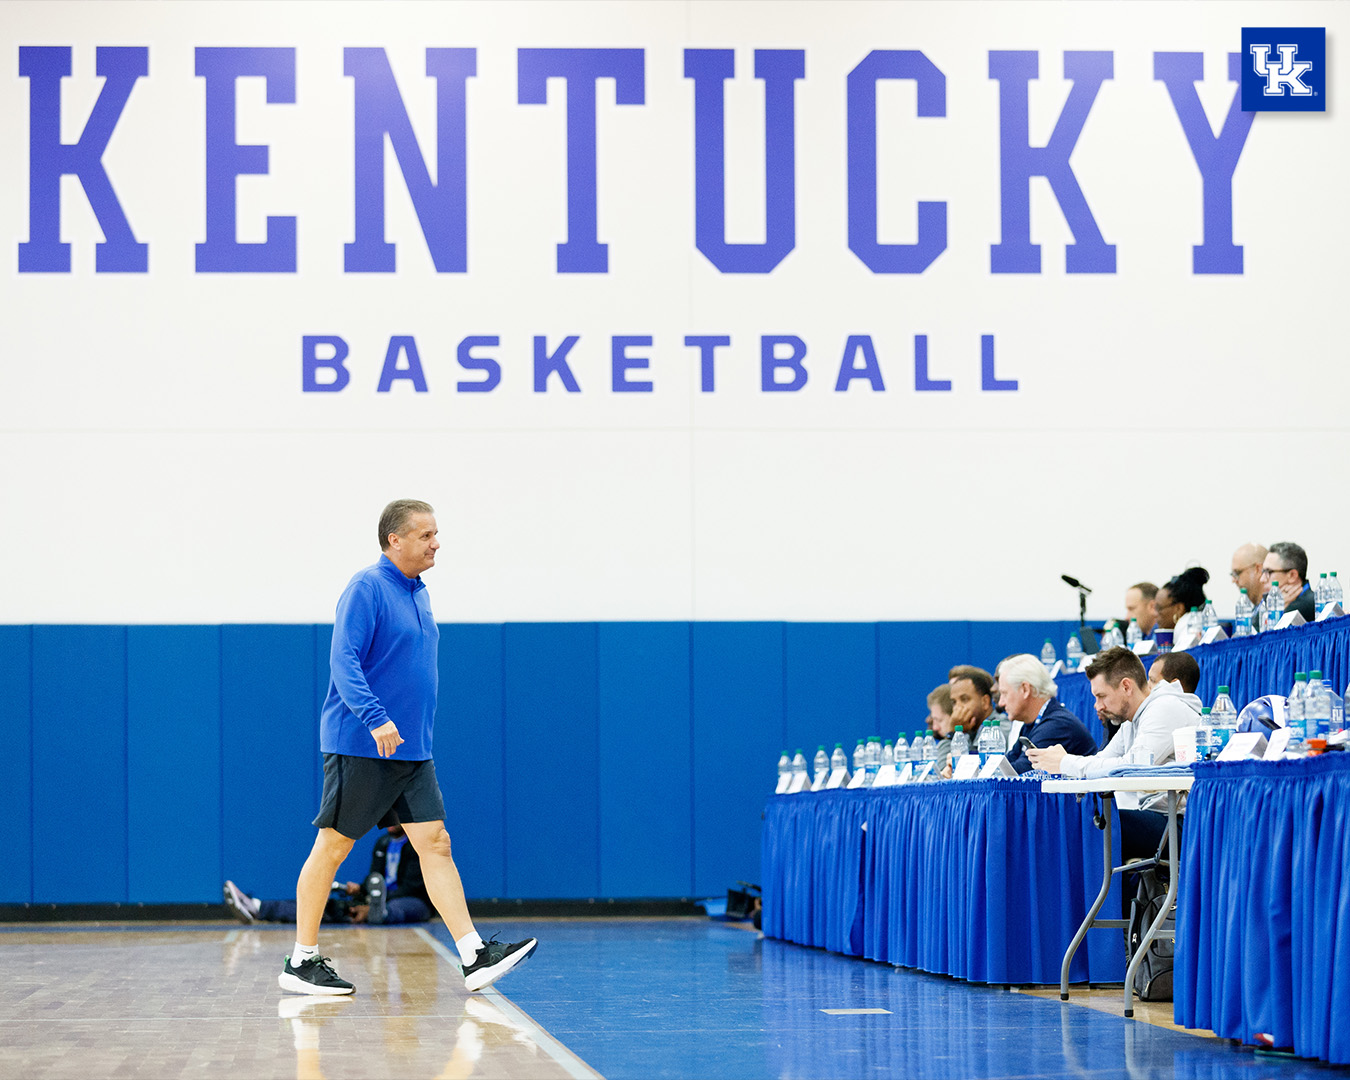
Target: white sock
{"type": "Point", "coordinates": [301, 953]}
{"type": "Point", "coordinates": [468, 947]}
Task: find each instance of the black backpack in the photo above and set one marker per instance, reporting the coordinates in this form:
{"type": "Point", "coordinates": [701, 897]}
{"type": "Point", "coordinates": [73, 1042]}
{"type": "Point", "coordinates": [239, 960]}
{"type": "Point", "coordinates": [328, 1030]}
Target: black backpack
{"type": "Point", "coordinates": [1153, 976]}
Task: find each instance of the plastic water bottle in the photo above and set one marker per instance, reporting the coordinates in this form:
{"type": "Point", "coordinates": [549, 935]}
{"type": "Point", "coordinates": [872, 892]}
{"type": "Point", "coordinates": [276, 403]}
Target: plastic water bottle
{"type": "Point", "coordinates": [887, 754]}
{"type": "Point", "coordinates": [1320, 593]}
{"type": "Point", "coordinates": [929, 747]}
{"type": "Point", "coordinates": [1000, 740]}
{"type": "Point", "coordinates": [1242, 617]}
{"type": "Point", "coordinates": [1223, 715]}
{"type": "Point", "coordinates": [1114, 638]}
{"type": "Point", "coordinates": [961, 744]}
{"type": "Point", "coordinates": [1338, 712]}
{"type": "Point", "coordinates": [1073, 653]}
{"type": "Point", "coordinates": [798, 763]}
{"type": "Point", "coordinates": [1335, 586]}
{"type": "Point", "coordinates": [784, 765]}
{"type": "Point", "coordinates": [901, 750]}
{"type": "Point", "coordinates": [983, 745]}
{"type": "Point", "coordinates": [916, 753]}
{"type": "Point", "coordinates": [873, 758]}
{"type": "Point", "coordinates": [1274, 607]}
{"type": "Point", "coordinates": [1204, 735]}
{"type": "Point", "coordinates": [1294, 708]}
{"type": "Point", "coordinates": [822, 765]}
{"type": "Point", "coordinates": [1208, 617]}
{"type": "Point", "coordinates": [1133, 635]}
{"type": "Point", "coordinates": [1317, 709]}
{"type": "Point", "coordinates": [860, 758]}
{"type": "Point", "coordinates": [838, 760]}
{"type": "Point", "coordinates": [1048, 654]}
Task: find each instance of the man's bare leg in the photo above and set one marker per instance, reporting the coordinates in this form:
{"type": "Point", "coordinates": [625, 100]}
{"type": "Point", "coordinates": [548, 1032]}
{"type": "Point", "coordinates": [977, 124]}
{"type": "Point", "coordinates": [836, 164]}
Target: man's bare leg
{"type": "Point", "coordinates": [440, 875]}
{"type": "Point", "coordinates": [316, 881]}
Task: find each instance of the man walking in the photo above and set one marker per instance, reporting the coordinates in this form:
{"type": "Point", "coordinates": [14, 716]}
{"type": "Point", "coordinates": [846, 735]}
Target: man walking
{"type": "Point", "coordinates": [375, 735]}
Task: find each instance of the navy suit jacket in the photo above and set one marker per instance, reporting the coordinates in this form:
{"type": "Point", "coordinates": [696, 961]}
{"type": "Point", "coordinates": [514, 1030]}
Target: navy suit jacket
{"type": "Point", "coordinates": [1057, 726]}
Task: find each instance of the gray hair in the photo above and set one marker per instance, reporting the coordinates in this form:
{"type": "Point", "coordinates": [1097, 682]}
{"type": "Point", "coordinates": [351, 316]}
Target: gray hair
{"type": "Point", "coordinates": [394, 518]}
{"type": "Point", "coordinates": [1025, 668]}
{"type": "Point", "coordinates": [1293, 557]}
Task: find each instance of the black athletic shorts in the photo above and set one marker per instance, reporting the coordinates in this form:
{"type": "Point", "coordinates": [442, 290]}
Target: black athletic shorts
{"type": "Point", "coordinates": [362, 792]}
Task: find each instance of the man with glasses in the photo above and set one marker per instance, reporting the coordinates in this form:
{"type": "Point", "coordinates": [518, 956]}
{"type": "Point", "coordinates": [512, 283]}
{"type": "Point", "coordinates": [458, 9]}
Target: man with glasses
{"type": "Point", "coordinates": [1286, 565]}
{"type": "Point", "coordinates": [1247, 573]}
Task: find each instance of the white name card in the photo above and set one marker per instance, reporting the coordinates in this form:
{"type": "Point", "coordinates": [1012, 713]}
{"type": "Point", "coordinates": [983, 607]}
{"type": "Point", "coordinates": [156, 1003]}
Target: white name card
{"type": "Point", "coordinates": [925, 771]}
{"type": "Point", "coordinates": [859, 779]}
{"type": "Point", "coordinates": [967, 767]}
{"type": "Point", "coordinates": [1279, 742]}
{"type": "Point", "coordinates": [798, 785]}
{"type": "Point", "coordinates": [997, 766]}
{"type": "Point", "coordinates": [1145, 647]}
{"type": "Point", "coordinates": [1290, 618]}
{"type": "Point", "coordinates": [905, 773]}
{"type": "Point", "coordinates": [837, 779]}
{"type": "Point", "coordinates": [1243, 744]}
{"type": "Point", "coordinates": [1330, 611]}
{"type": "Point", "coordinates": [1213, 634]}
{"type": "Point", "coordinates": [818, 784]}
{"type": "Point", "coordinates": [783, 782]}
{"type": "Point", "coordinates": [885, 777]}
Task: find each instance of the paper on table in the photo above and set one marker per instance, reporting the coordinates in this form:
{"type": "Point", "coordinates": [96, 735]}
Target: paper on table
{"type": "Point", "coordinates": [967, 767]}
{"type": "Point", "coordinates": [1279, 740]}
{"type": "Point", "coordinates": [838, 778]}
{"type": "Point", "coordinates": [1243, 744]}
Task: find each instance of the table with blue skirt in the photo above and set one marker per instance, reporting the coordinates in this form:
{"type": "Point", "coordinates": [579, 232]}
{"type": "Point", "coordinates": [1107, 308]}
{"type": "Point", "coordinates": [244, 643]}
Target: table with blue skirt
{"type": "Point", "coordinates": [1263, 919]}
{"type": "Point", "coordinates": [1249, 667]}
{"type": "Point", "coordinates": [984, 880]}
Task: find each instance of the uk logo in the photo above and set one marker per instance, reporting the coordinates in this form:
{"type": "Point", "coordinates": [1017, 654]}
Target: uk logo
{"type": "Point", "coordinates": [1284, 69]}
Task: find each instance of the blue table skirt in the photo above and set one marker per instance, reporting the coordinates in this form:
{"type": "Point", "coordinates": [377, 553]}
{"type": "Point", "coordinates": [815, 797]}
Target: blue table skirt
{"type": "Point", "coordinates": [1263, 926]}
{"type": "Point", "coordinates": [985, 880]}
{"type": "Point", "coordinates": [1249, 667]}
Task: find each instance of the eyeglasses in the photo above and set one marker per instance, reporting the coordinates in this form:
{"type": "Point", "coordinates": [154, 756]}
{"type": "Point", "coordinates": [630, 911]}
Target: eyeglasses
{"type": "Point", "coordinates": [1267, 571]}
{"type": "Point", "coordinates": [1235, 574]}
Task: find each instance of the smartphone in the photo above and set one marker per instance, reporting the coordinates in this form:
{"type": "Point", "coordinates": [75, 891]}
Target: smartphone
{"type": "Point", "coordinates": [1026, 743]}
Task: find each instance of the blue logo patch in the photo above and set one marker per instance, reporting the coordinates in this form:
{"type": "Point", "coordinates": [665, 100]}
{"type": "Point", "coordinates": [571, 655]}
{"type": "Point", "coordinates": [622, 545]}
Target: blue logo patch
{"type": "Point", "coordinates": [1284, 69]}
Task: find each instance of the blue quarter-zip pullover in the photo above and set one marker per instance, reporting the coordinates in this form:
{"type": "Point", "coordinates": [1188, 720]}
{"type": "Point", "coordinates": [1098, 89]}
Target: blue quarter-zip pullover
{"type": "Point", "coordinates": [382, 666]}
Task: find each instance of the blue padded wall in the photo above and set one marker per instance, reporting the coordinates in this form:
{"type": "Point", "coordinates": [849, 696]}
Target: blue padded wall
{"type": "Point", "coordinates": [646, 828]}
{"type": "Point", "coordinates": [552, 774]}
{"type": "Point", "coordinates": [270, 746]}
{"type": "Point", "coordinates": [16, 763]}
{"type": "Point", "coordinates": [738, 731]}
{"type": "Point", "coordinates": [195, 748]}
{"type": "Point", "coordinates": [173, 762]}
{"type": "Point", "coordinates": [80, 764]}
{"type": "Point", "coordinates": [470, 729]}
{"type": "Point", "coordinates": [829, 685]}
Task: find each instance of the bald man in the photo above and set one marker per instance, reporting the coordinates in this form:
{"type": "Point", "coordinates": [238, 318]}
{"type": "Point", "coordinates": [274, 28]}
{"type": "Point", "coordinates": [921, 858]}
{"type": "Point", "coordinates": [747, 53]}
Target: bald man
{"type": "Point", "coordinates": [1246, 574]}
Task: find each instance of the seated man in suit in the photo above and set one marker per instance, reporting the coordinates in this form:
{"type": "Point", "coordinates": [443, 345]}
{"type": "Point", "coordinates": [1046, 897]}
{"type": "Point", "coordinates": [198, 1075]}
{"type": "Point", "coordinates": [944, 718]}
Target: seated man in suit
{"type": "Point", "coordinates": [393, 891]}
{"type": "Point", "coordinates": [1027, 694]}
{"type": "Point", "coordinates": [1147, 716]}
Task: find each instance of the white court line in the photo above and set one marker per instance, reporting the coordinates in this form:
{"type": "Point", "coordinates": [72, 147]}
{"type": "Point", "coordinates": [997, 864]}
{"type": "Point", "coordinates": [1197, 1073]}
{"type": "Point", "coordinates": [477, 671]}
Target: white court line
{"type": "Point", "coordinates": [572, 1064]}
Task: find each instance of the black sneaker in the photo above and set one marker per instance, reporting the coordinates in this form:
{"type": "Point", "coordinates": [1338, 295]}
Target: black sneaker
{"type": "Point", "coordinates": [314, 976]}
{"type": "Point", "coordinates": [242, 906]}
{"type": "Point", "coordinates": [495, 958]}
{"type": "Point", "coordinates": [375, 897]}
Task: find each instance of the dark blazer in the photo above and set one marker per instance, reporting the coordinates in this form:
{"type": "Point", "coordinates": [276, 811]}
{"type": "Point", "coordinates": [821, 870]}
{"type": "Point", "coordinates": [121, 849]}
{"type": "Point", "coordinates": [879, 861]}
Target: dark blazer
{"type": "Point", "coordinates": [1057, 726]}
{"type": "Point", "coordinates": [1305, 604]}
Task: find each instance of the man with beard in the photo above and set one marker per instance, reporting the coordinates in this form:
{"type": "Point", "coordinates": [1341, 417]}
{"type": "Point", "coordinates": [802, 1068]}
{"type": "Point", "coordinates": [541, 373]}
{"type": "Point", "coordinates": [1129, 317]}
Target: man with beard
{"type": "Point", "coordinates": [1147, 717]}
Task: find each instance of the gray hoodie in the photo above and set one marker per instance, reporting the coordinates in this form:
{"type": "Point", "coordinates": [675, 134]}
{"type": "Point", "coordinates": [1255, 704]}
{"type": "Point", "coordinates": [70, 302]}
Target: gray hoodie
{"type": "Point", "coordinates": [1167, 708]}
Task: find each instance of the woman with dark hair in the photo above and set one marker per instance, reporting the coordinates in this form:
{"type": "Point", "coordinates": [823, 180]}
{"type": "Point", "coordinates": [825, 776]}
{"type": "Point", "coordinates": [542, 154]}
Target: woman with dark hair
{"type": "Point", "coordinates": [1178, 596]}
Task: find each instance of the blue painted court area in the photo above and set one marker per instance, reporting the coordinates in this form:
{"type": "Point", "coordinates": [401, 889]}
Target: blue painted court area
{"type": "Point", "coordinates": [693, 998]}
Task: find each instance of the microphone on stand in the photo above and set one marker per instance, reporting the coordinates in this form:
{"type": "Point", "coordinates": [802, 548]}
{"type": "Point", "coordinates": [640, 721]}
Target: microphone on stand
{"type": "Point", "coordinates": [1085, 635]}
